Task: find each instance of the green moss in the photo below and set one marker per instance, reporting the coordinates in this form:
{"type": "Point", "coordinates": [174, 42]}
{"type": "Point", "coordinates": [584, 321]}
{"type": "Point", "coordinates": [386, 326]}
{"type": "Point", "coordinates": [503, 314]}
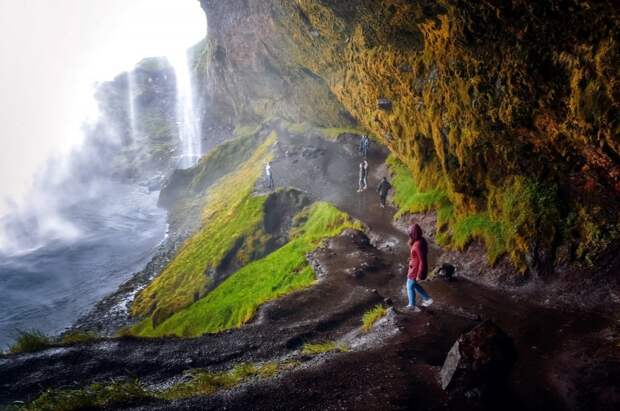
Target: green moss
{"type": "Point", "coordinates": [323, 347]}
{"type": "Point", "coordinates": [235, 301]}
{"type": "Point", "coordinates": [372, 316]}
{"type": "Point", "coordinates": [407, 195]}
{"type": "Point", "coordinates": [480, 226]}
{"type": "Point", "coordinates": [231, 214]}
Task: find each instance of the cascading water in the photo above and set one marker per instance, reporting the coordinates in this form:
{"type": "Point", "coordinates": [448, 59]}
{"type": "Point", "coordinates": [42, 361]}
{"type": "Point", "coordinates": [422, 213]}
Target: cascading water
{"type": "Point", "coordinates": [187, 121]}
{"type": "Point", "coordinates": [131, 104]}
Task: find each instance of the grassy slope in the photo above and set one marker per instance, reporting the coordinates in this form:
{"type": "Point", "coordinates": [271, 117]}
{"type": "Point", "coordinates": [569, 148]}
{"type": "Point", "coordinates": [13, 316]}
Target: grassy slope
{"type": "Point", "coordinates": [235, 301]}
{"type": "Point", "coordinates": [231, 213]}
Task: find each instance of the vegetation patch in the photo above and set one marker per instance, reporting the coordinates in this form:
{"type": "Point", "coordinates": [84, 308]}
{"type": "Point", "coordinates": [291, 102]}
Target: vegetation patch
{"type": "Point", "coordinates": [113, 395]}
{"type": "Point", "coordinates": [521, 215]}
{"type": "Point", "coordinates": [34, 340]}
{"type": "Point", "coordinates": [235, 301]}
{"type": "Point", "coordinates": [323, 347]}
{"type": "Point", "coordinates": [372, 316]}
{"type": "Point", "coordinates": [95, 396]}
{"type": "Point", "coordinates": [30, 341]}
{"type": "Point", "coordinates": [231, 214]}
{"type": "Point", "coordinates": [407, 195]}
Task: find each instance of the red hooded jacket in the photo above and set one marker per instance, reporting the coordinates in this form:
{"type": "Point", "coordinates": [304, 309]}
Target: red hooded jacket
{"type": "Point", "coordinates": [418, 264]}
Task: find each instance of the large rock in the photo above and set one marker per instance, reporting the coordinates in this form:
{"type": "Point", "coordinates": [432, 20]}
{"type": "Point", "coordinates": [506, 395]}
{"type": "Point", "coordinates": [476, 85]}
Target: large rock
{"type": "Point", "coordinates": [479, 360]}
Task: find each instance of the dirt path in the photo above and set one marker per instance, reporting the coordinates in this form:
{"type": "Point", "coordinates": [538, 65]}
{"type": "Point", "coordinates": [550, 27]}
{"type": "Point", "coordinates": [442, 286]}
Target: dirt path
{"type": "Point", "coordinates": [564, 361]}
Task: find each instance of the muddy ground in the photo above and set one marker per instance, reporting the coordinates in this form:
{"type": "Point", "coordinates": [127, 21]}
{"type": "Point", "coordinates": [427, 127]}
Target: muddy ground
{"type": "Point", "coordinates": [568, 356]}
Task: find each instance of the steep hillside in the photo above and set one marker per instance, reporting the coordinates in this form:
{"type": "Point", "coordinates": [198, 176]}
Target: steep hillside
{"type": "Point", "coordinates": [509, 108]}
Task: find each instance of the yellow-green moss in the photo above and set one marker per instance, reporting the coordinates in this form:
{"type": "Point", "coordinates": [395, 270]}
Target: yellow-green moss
{"type": "Point", "coordinates": [231, 214]}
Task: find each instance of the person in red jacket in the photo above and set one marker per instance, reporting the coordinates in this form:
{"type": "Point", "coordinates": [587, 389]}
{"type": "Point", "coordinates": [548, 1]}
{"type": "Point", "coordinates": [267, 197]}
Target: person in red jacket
{"type": "Point", "coordinates": [418, 267]}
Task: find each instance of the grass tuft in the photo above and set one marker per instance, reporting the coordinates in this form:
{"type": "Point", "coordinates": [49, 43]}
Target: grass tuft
{"type": "Point", "coordinates": [95, 396]}
{"type": "Point", "coordinates": [121, 394]}
{"type": "Point", "coordinates": [30, 341]}
{"type": "Point", "coordinates": [324, 347]}
{"type": "Point", "coordinates": [372, 316]}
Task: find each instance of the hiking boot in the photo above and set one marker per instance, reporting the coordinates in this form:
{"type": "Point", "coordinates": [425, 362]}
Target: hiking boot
{"type": "Point", "coordinates": [412, 308]}
{"type": "Point", "coordinates": [427, 303]}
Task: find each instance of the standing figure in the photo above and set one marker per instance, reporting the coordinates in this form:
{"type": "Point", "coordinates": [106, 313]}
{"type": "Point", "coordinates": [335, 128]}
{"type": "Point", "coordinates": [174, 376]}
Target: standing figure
{"type": "Point", "coordinates": [363, 176]}
{"type": "Point", "coordinates": [383, 189]}
{"type": "Point", "coordinates": [418, 268]}
{"type": "Point", "coordinates": [268, 175]}
{"type": "Point", "coordinates": [364, 145]}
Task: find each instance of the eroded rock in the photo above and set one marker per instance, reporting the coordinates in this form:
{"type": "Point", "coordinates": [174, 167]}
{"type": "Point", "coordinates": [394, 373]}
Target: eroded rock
{"type": "Point", "coordinates": [479, 360]}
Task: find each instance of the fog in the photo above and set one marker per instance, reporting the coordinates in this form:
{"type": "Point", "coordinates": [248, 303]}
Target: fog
{"type": "Point", "coordinates": [53, 53]}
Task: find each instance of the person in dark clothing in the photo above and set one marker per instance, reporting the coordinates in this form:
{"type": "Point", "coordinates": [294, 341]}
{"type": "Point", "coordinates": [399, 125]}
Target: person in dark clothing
{"type": "Point", "coordinates": [383, 189]}
{"type": "Point", "coordinates": [418, 268]}
{"type": "Point", "coordinates": [364, 145]}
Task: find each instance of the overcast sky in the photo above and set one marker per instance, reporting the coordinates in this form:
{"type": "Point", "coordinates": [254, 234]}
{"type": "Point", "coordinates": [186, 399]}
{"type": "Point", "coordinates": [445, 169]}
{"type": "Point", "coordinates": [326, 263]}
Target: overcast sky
{"type": "Point", "coordinates": [53, 51]}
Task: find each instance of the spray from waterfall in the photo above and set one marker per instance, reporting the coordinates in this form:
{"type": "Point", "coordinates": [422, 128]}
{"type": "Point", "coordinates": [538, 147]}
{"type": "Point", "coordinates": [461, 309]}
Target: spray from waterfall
{"type": "Point", "coordinates": [131, 104]}
{"type": "Point", "coordinates": [187, 121]}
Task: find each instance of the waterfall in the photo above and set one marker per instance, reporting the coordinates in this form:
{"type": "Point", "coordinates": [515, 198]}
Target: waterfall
{"type": "Point", "coordinates": [187, 121]}
{"type": "Point", "coordinates": [131, 103]}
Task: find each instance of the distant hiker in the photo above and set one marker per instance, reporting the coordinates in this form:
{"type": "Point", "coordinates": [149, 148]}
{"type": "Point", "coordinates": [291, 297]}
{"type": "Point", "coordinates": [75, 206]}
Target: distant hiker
{"type": "Point", "coordinates": [364, 144]}
{"type": "Point", "coordinates": [268, 175]}
{"type": "Point", "coordinates": [383, 190]}
{"type": "Point", "coordinates": [418, 267]}
{"type": "Point", "coordinates": [363, 176]}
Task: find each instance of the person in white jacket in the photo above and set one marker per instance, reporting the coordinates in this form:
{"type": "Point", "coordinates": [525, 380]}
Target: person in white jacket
{"type": "Point", "coordinates": [268, 175]}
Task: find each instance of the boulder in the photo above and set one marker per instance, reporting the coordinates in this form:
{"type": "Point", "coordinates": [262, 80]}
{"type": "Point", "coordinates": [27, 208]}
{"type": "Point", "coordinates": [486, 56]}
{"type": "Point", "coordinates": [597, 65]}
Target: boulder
{"type": "Point", "coordinates": [479, 361]}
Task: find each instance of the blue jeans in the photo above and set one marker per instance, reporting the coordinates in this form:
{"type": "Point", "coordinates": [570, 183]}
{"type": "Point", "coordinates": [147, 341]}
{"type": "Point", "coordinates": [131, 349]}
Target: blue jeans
{"type": "Point", "coordinates": [412, 286]}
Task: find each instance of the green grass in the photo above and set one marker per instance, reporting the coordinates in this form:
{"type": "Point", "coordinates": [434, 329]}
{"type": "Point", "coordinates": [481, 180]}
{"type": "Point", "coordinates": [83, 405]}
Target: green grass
{"type": "Point", "coordinates": [235, 300]}
{"type": "Point", "coordinates": [480, 226]}
{"type": "Point", "coordinates": [34, 340]}
{"type": "Point", "coordinates": [204, 383]}
{"type": "Point", "coordinates": [116, 394]}
{"type": "Point", "coordinates": [95, 396]}
{"type": "Point", "coordinates": [323, 347]}
{"type": "Point", "coordinates": [30, 341]}
{"type": "Point", "coordinates": [78, 337]}
{"type": "Point", "coordinates": [231, 214]}
{"type": "Point", "coordinates": [408, 197]}
{"type": "Point", "coordinates": [372, 316]}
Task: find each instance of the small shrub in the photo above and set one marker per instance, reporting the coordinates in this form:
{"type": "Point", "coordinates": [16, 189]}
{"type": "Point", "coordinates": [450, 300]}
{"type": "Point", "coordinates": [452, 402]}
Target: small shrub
{"type": "Point", "coordinates": [324, 347]}
{"type": "Point", "coordinates": [30, 341]}
{"type": "Point", "coordinates": [372, 316]}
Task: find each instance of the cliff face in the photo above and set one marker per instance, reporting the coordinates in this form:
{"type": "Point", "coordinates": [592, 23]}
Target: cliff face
{"type": "Point", "coordinates": [508, 108]}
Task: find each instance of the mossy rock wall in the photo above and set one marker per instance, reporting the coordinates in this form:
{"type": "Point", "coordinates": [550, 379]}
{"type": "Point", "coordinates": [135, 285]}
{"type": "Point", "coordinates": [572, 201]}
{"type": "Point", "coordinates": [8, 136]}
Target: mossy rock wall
{"type": "Point", "coordinates": [475, 98]}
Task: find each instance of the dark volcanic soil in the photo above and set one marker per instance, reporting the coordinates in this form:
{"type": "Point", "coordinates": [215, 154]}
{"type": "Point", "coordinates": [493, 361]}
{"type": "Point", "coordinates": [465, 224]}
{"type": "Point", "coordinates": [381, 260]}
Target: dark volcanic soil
{"type": "Point", "coordinates": [568, 359]}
